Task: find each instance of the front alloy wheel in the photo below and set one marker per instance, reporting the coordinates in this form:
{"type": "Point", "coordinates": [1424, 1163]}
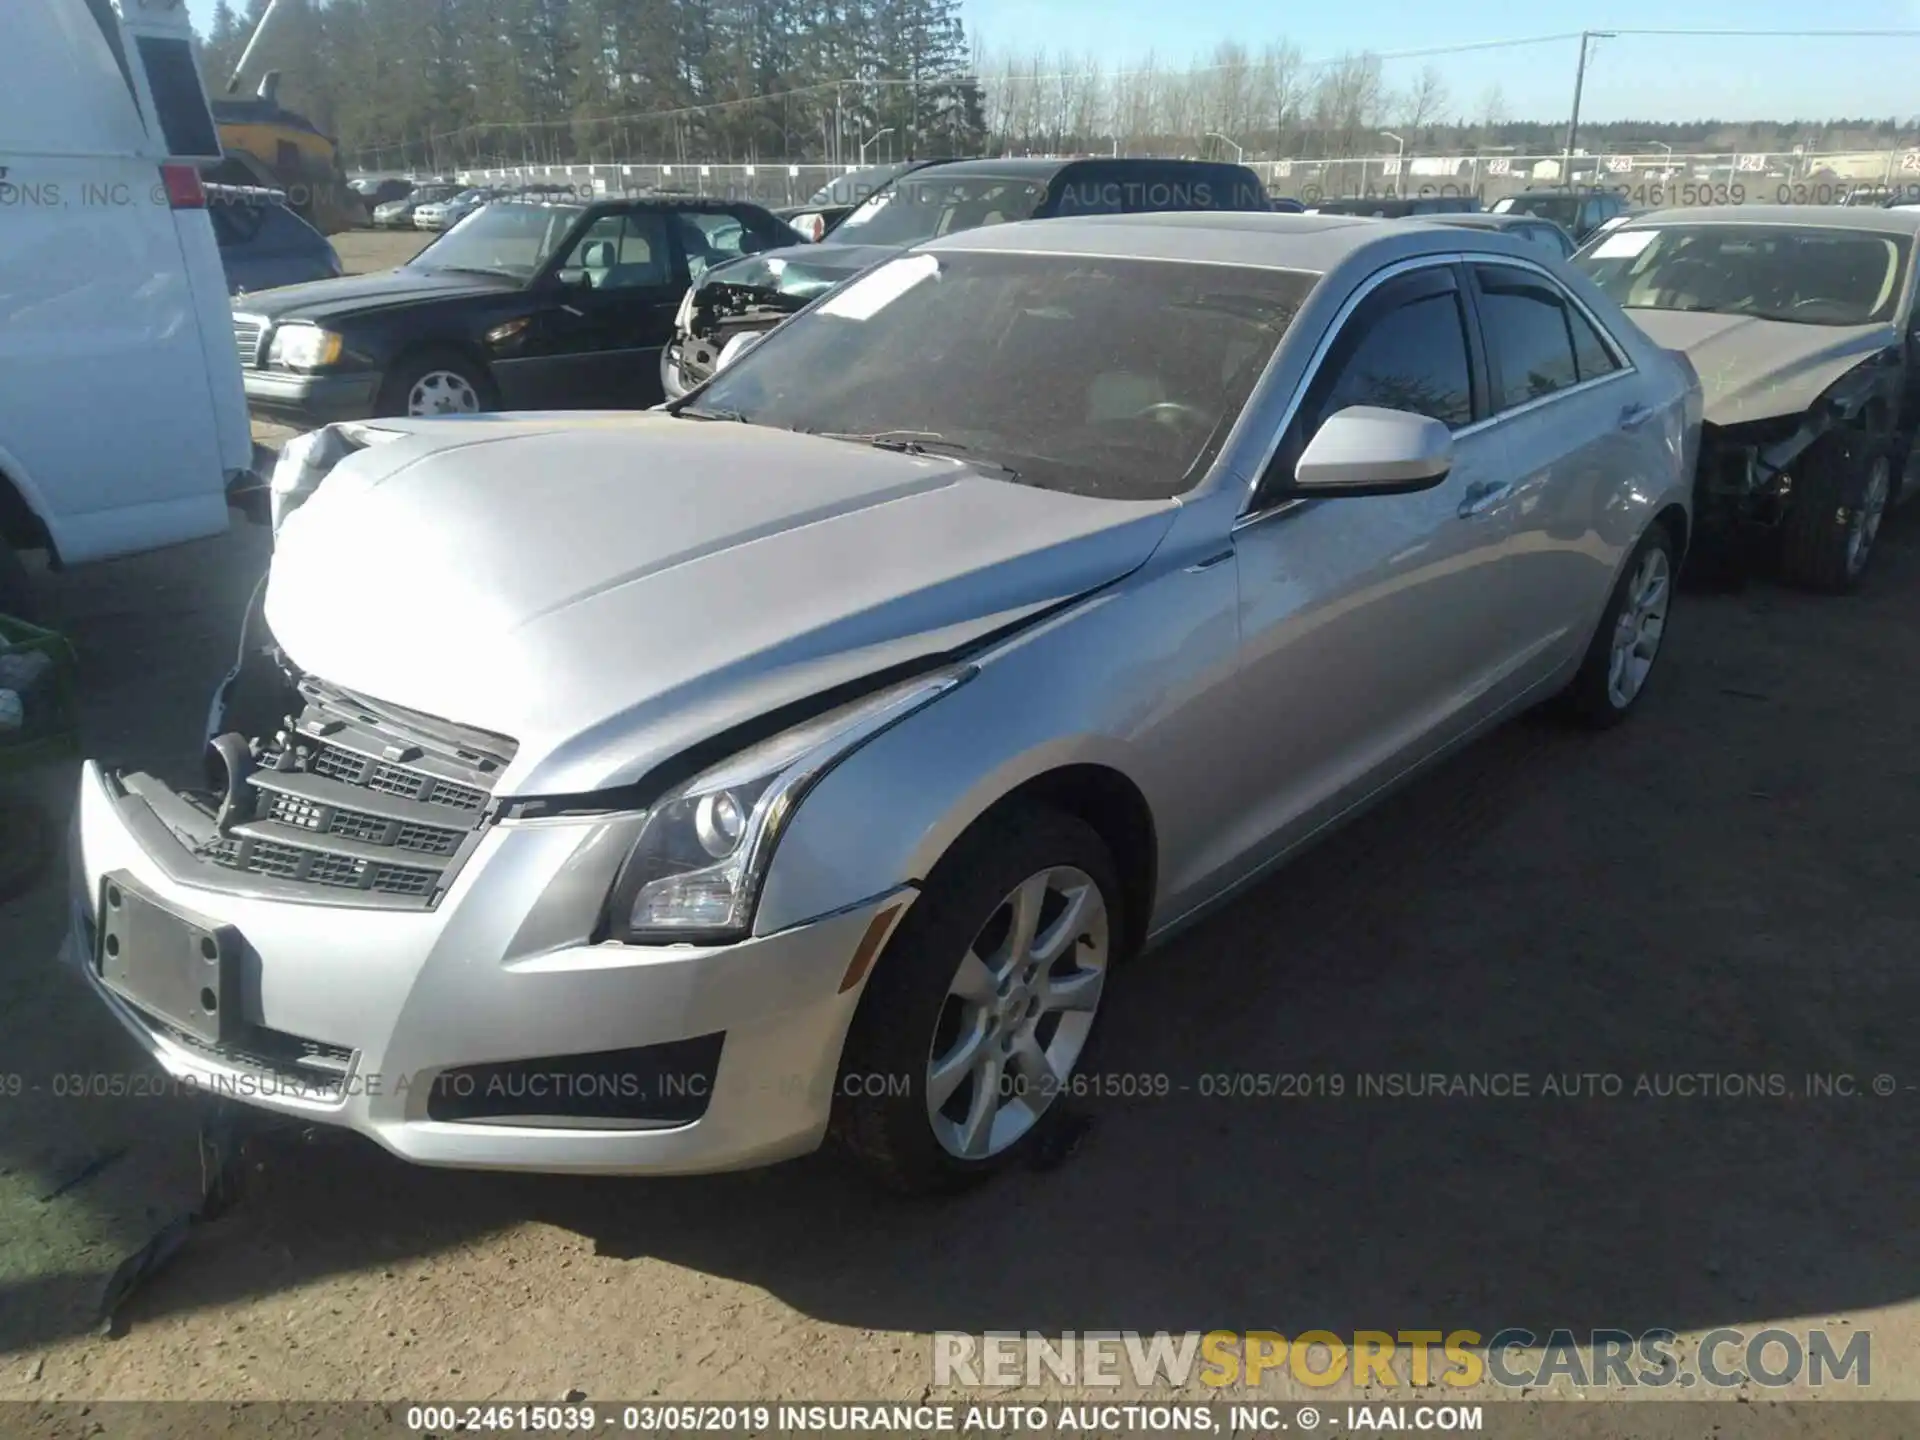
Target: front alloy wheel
{"type": "Point", "coordinates": [443, 392]}
{"type": "Point", "coordinates": [1017, 1013]}
{"type": "Point", "coordinates": [982, 1007]}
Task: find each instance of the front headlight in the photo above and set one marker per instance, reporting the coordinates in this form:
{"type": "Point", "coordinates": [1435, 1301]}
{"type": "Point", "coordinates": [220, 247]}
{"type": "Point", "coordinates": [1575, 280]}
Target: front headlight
{"type": "Point", "coordinates": [304, 347]}
{"type": "Point", "coordinates": [696, 870]}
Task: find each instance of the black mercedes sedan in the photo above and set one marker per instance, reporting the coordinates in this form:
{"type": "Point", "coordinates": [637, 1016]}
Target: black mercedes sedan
{"type": "Point", "coordinates": [521, 306]}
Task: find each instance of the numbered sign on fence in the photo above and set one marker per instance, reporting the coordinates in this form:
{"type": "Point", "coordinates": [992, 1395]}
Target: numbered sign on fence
{"type": "Point", "coordinates": [1619, 164]}
{"type": "Point", "coordinates": [1283, 169]}
{"type": "Point", "coordinates": [1910, 162]}
{"type": "Point", "coordinates": [1750, 164]}
{"type": "Point", "coordinates": [1500, 167]}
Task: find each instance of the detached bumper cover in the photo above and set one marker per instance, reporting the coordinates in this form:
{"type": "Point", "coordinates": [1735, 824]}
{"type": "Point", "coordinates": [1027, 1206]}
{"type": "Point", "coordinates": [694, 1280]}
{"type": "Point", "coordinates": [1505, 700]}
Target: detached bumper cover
{"type": "Point", "coordinates": [395, 1023]}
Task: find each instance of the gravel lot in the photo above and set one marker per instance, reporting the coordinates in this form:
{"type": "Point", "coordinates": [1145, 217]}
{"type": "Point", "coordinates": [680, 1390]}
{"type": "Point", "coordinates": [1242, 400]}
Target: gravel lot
{"type": "Point", "coordinates": [1728, 885]}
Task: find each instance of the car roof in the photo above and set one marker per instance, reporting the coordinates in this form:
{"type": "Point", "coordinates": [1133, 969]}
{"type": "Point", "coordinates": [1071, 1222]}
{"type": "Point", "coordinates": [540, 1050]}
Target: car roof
{"type": "Point", "coordinates": [1810, 217]}
{"type": "Point", "coordinates": [1486, 220]}
{"type": "Point", "coordinates": [1266, 239]}
{"type": "Point", "coordinates": [1028, 167]}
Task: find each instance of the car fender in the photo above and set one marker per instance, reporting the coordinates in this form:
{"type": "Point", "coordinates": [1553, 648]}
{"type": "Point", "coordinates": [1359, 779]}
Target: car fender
{"type": "Point", "coordinates": [1136, 680]}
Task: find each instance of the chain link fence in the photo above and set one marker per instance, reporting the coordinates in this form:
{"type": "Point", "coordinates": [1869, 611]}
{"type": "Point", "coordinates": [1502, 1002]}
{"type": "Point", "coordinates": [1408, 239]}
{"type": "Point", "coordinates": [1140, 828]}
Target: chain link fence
{"type": "Point", "coordinates": [1645, 180]}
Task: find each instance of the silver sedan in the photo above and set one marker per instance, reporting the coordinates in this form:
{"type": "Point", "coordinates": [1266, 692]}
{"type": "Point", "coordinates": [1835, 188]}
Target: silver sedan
{"type": "Point", "coordinates": [674, 791]}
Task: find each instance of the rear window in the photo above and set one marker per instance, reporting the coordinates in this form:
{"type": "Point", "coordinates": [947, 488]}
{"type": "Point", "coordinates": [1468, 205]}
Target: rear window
{"type": "Point", "coordinates": [179, 98]}
{"type": "Point", "coordinates": [1132, 190]}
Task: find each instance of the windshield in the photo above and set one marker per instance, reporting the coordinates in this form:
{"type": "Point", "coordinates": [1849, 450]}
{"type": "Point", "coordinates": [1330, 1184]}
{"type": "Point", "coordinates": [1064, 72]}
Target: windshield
{"type": "Point", "coordinates": [1809, 275]}
{"type": "Point", "coordinates": [1115, 378]}
{"type": "Point", "coordinates": [923, 207]}
{"type": "Point", "coordinates": [502, 239]}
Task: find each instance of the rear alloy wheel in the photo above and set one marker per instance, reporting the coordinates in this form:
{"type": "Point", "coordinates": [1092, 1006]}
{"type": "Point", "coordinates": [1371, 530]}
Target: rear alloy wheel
{"type": "Point", "coordinates": [982, 1007]}
{"type": "Point", "coordinates": [1834, 516]}
{"type": "Point", "coordinates": [436, 384]}
{"type": "Point", "coordinates": [1621, 655]}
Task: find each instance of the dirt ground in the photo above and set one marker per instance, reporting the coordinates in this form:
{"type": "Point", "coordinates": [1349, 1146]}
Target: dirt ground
{"type": "Point", "coordinates": [1727, 886]}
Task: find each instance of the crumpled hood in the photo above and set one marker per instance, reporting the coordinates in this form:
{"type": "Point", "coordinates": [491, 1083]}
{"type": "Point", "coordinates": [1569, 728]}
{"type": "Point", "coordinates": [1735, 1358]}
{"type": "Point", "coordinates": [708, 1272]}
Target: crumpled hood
{"type": "Point", "coordinates": [609, 590]}
{"type": "Point", "coordinates": [800, 269]}
{"type": "Point", "coordinates": [1754, 369]}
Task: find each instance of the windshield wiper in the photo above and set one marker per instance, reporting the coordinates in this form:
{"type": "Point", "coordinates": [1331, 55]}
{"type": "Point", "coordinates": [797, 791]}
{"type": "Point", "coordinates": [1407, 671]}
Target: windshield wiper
{"type": "Point", "coordinates": [917, 442]}
{"type": "Point", "coordinates": [907, 442]}
{"type": "Point", "coordinates": [687, 412]}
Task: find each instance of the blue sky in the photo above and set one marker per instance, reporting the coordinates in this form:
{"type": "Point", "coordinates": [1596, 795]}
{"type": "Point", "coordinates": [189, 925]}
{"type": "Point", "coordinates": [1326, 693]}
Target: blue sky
{"type": "Point", "coordinates": [1632, 77]}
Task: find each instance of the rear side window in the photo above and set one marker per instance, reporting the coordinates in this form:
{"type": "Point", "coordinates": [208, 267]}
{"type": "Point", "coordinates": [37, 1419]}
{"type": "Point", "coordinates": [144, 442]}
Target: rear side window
{"type": "Point", "coordinates": [178, 98]}
{"type": "Point", "coordinates": [235, 224]}
{"type": "Point", "coordinates": [1530, 336]}
{"type": "Point", "coordinates": [1591, 356]}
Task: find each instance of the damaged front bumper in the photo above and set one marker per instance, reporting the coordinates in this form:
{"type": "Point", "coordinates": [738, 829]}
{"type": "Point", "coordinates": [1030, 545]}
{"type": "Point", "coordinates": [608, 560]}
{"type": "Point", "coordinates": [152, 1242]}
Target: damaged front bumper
{"type": "Point", "coordinates": [486, 1029]}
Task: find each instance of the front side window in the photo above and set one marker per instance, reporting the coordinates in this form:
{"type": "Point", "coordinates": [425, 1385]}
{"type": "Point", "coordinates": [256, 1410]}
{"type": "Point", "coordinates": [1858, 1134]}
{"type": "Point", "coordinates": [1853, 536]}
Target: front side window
{"type": "Point", "coordinates": [1101, 377]}
{"type": "Point", "coordinates": [921, 207]}
{"type": "Point", "coordinates": [1414, 357]}
{"type": "Point", "coordinates": [1528, 335]}
{"type": "Point", "coordinates": [1804, 275]}
{"type": "Point", "coordinates": [622, 252]}
{"type": "Point", "coordinates": [513, 240]}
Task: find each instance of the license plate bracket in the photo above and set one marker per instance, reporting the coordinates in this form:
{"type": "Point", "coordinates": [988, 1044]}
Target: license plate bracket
{"type": "Point", "coordinates": [181, 968]}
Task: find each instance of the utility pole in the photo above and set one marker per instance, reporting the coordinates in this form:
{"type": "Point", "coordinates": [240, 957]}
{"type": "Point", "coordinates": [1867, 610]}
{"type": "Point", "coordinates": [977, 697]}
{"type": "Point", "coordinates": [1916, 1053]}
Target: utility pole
{"type": "Point", "coordinates": [1579, 82]}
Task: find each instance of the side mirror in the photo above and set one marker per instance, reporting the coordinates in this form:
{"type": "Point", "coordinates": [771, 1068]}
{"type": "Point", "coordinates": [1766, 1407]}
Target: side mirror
{"type": "Point", "coordinates": [812, 225]}
{"type": "Point", "coordinates": [1367, 450]}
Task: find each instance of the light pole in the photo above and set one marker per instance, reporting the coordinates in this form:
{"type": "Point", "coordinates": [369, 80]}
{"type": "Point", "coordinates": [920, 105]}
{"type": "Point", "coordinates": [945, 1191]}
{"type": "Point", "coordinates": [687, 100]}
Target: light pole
{"type": "Point", "coordinates": [1399, 163]}
{"type": "Point", "coordinates": [870, 139]}
{"type": "Point", "coordinates": [1239, 152]}
{"type": "Point", "coordinates": [1587, 37]}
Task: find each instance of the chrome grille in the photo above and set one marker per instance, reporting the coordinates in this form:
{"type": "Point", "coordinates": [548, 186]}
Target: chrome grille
{"type": "Point", "coordinates": [248, 332]}
{"type": "Point", "coordinates": [357, 795]}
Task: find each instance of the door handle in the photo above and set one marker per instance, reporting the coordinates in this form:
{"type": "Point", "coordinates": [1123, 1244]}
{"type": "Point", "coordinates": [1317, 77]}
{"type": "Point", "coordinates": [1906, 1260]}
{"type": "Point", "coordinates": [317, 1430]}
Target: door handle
{"type": "Point", "coordinates": [1481, 497]}
{"type": "Point", "coordinates": [1634, 416]}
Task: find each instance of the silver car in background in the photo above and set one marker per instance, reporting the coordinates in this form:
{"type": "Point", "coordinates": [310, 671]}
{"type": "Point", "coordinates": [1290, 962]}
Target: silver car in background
{"type": "Point", "coordinates": [669, 792]}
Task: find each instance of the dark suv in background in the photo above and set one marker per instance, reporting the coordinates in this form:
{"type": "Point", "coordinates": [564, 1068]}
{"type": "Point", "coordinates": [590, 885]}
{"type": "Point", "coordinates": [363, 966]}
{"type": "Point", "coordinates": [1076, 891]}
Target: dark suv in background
{"type": "Point", "coordinates": [751, 295]}
{"type": "Point", "coordinates": [263, 244]}
{"type": "Point", "coordinates": [1578, 212]}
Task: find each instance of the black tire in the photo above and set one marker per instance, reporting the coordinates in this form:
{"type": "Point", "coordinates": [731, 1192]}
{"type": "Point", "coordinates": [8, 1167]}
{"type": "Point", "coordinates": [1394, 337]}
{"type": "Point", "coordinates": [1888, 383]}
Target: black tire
{"type": "Point", "coordinates": [906, 1002]}
{"type": "Point", "coordinates": [411, 369]}
{"type": "Point", "coordinates": [16, 587]}
{"type": "Point", "coordinates": [1817, 533]}
{"type": "Point", "coordinates": [1591, 700]}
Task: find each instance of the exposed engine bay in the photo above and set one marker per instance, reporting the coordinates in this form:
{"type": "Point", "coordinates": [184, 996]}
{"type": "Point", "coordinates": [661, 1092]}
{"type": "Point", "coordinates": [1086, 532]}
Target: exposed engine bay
{"type": "Point", "coordinates": [720, 312]}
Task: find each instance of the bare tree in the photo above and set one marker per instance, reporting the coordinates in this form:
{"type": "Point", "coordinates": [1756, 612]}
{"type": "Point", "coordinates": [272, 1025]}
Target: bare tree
{"type": "Point", "coordinates": [1424, 101]}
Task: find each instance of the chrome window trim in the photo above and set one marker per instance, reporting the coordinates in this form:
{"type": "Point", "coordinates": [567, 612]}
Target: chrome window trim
{"type": "Point", "coordinates": [1352, 303]}
{"type": "Point", "coordinates": [1361, 294]}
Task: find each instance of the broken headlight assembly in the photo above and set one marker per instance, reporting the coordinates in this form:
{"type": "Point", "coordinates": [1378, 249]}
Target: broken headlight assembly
{"type": "Point", "coordinates": [305, 460]}
{"type": "Point", "coordinates": [695, 873]}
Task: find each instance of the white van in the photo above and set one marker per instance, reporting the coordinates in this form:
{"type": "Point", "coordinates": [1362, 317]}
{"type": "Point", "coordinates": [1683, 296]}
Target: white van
{"type": "Point", "coordinates": [123, 423]}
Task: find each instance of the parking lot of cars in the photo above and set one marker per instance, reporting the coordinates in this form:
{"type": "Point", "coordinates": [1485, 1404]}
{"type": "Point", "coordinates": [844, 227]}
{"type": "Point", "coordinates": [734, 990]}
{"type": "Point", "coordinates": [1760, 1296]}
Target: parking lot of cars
{"type": "Point", "coordinates": [1722, 889]}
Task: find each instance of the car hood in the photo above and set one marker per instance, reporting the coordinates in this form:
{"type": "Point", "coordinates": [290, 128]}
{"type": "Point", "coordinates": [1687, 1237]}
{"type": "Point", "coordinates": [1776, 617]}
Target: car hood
{"type": "Point", "coordinates": [800, 269]}
{"type": "Point", "coordinates": [382, 290]}
{"type": "Point", "coordinates": [1752, 369]}
{"type": "Point", "coordinates": [610, 589]}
